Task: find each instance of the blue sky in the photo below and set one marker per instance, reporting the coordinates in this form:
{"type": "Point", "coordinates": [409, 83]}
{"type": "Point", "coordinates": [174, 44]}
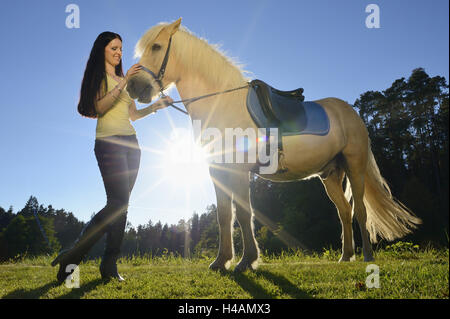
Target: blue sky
{"type": "Point", "coordinates": [322, 46]}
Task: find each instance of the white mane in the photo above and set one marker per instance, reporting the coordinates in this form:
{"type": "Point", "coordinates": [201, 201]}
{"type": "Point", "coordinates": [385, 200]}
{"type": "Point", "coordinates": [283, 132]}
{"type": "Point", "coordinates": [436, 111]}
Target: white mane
{"type": "Point", "coordinates": [197, 55]}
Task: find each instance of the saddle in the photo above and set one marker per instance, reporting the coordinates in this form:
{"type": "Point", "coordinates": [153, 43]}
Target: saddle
{"type": "Point", "coordinates": [285, 110]}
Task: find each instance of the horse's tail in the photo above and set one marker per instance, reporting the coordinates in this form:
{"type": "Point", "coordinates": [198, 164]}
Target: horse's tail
{"type": "Point", "coordinates": [387, 217]}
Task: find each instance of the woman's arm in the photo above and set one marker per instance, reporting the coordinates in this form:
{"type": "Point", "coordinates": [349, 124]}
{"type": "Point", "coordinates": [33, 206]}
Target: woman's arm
{"type": "Point", "coordinates": [136, 114]}
{"type": "Point", "coordinates": [105, 102]}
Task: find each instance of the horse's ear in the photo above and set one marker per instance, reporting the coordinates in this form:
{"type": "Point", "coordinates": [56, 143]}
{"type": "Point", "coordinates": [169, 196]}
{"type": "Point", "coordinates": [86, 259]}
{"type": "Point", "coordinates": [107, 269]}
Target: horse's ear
{"type": "Point", "coordinates": [169, 30]}
{"type": "Point", "coordinates": [175, 26]}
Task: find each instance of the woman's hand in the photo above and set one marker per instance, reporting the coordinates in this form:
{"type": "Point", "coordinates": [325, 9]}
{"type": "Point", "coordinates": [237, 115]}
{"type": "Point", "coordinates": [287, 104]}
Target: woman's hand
{"type": "Point", "coordinates": [132, 71]}
{"type": "Point", "coordinates": [162, 103]}
{"type": "Point", "coordinates": [138, 114]}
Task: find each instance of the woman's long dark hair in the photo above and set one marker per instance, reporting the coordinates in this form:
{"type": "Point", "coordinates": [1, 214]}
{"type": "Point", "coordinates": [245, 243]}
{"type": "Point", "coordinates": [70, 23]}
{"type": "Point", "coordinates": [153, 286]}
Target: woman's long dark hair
{"type": "Point", "coordinates": [95, 73]}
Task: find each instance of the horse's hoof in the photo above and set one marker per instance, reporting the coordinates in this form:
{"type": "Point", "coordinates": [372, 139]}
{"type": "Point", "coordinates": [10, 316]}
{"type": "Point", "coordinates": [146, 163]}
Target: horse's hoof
{"type": "Point", "coordinates": [218, 269]}
{"type": "Point", "coordinates": [346, 259]}
{"type": "Point", "coordinates": [369, 259]}
{"type": "Point", "coordinates": [243, 266]}
{"type": "Point", "coordinates": [216, 266]}
{"type": "Point", "coordinates": [239, 269]}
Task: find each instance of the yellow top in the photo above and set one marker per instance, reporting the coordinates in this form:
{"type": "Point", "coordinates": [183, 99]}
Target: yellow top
{"type": "Point", "coordinates": [116, 121]}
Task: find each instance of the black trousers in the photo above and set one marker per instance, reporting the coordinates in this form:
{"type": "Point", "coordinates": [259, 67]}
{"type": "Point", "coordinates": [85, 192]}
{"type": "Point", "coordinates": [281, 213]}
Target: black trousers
{"type": "Point", "coordinates": [118, 158]}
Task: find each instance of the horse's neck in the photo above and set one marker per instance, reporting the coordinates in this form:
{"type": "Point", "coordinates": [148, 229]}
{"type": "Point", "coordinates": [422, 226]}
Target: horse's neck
{"type": "Point", "coordinates": [221, 111]}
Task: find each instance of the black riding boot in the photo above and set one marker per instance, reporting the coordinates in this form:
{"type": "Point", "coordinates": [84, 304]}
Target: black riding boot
{"type": "Point", "coordinates": [114, 237]}
{"type": "Point", "coordinates": [90, 234]}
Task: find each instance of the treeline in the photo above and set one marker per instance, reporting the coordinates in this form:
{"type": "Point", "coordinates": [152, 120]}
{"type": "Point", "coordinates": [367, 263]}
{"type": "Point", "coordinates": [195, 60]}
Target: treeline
{"type": "Point", "coordinates": [36, 230]}
{"type": "Point", "coordinates": [408, 127]}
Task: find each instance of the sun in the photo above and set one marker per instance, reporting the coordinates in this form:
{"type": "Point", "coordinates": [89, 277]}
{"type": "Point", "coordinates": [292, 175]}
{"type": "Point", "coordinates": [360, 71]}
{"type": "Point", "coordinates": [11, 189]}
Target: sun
{"type": "Point", "coordinates": [184, 166]}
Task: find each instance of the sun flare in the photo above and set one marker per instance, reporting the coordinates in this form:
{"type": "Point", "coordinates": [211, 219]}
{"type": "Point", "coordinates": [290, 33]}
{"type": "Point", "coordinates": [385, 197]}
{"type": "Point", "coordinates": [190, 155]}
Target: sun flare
{"type": "Point", "coordinates": [185, 164]}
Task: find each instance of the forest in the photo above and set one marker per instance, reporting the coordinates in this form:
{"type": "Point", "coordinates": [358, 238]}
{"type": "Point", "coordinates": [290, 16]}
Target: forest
{"type": "Point", "coordinates": [408, 127]}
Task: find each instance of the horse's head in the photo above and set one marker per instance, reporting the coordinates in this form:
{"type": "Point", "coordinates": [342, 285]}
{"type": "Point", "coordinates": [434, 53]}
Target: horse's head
{"type": "Point", "coordinates": [154, 50]}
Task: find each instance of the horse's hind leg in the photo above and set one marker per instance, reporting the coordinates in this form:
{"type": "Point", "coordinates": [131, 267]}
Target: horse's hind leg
{"type": "Point", "coordinates": [333, 187]}
{"type": "Point", "coordinates": [357, 184]}
{"type": "Point", "coordinates": [355, 172]}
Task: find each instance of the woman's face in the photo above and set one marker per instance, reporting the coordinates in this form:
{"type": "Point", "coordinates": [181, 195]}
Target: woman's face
{"type": "Point", "coordinates": [113, 52]}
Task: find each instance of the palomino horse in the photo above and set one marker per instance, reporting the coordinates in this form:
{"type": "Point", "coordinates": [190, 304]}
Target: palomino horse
{"type": "Point", "coordinates": [198, 69]}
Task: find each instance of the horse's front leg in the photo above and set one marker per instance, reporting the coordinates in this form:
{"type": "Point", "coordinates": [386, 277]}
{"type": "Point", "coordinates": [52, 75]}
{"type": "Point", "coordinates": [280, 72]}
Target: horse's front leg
{"type": "Point", "coordinates": [225, 220]}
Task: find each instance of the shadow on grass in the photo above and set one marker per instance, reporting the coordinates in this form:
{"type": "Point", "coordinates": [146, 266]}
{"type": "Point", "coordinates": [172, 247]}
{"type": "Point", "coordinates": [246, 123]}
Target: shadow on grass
{"type": "Point", "coordinates": [285, 285]}
{"type": "Point", "coordinates": [31, 294]}
{"type": "Point", "coordinates": [77, 293]}
{"type": "Point", "coordinates": [73, 293]}
{"type": "Point", "coordinates": [257, 291]}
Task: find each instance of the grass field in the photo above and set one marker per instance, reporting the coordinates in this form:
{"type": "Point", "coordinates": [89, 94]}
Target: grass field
{"type": "Point", "coordinates": [403, 273]}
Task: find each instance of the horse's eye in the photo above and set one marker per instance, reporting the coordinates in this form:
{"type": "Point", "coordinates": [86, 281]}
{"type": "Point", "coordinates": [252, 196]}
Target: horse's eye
{"type": "Point", "coordinates": [156, 47]}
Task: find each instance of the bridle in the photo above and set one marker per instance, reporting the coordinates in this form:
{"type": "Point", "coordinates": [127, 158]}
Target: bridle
{"type": "Point", "coordinates": [162, 70]}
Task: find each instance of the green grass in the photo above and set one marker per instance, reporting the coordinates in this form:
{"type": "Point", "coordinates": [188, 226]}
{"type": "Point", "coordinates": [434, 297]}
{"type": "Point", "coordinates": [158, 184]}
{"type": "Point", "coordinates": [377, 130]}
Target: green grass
{"type": "Point", "coordinates": [405, 272]}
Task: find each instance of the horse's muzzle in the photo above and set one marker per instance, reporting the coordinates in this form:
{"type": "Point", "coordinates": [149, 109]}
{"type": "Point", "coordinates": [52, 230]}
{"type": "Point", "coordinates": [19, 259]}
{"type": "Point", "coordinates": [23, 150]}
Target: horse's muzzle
{"type": "Point", "coordinates": [140, 89]}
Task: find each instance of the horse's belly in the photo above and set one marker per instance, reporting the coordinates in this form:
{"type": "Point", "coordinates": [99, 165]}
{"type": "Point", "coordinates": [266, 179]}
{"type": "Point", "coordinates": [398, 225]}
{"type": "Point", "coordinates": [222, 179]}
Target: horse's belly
{"type": "Point", "coordinates": [304, 156]}
{"type": "Point", "coordinates": [284, 177]}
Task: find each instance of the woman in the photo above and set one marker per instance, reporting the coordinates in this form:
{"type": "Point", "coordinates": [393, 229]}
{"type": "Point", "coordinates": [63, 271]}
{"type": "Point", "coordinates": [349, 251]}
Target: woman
{"type": "Point", "coordinates": [103, 96]}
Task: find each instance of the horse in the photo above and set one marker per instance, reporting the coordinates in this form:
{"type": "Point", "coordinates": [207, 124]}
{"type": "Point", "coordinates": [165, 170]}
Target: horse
{"type": "Point", "coordinates": [198, 68]}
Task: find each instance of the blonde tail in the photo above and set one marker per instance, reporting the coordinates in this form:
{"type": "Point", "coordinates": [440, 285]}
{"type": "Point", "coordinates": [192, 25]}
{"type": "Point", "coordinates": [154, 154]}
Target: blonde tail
{"type": "Point", "coordinates": [386, 217]}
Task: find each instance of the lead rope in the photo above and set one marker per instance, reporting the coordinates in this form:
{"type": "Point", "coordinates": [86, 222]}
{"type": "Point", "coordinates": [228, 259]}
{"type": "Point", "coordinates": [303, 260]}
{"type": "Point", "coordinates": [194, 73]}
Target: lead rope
{"type": "Point", "coordinates": [194, 99]}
